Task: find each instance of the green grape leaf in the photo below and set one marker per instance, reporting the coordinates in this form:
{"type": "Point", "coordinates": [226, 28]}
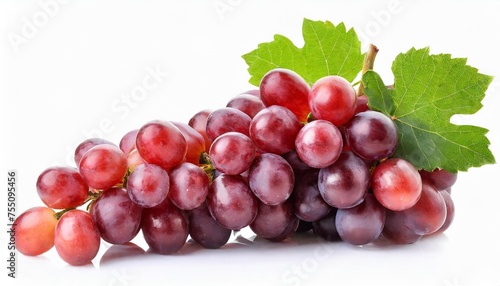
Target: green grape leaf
{"type": "Point", "coordinates": [327, 50]}
{"type": "Point", "coordinates": [428, 91]}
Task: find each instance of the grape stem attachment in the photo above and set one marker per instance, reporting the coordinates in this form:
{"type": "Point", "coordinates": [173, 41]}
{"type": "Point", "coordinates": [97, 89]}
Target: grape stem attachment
{"type": "Point", "coordinates": [59, 214]}
{"type": "Point", "coordinates": [207, 166]}
{"type": "Point", "coordinates": [367, 65]}
{"type": "Point", "coordinates": [91, 197]}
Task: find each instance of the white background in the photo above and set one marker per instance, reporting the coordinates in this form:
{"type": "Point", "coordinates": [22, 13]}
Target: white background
{"type": "Point", "coordinates": [68, 68]}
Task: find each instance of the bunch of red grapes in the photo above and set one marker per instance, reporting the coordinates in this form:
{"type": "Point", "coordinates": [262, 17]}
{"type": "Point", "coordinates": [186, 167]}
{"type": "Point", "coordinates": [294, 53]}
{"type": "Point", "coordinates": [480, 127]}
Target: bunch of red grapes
{"type": "Point", "coordinates": [282, 159]}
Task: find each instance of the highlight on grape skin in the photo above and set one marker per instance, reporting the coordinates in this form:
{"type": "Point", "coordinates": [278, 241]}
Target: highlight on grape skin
{"type": "Point", "coordinates": [103, 166]}
{"type": "Point", "coordinates": [284, 87]}
{"type": "Point", "coordinates": [319, 144]}
{"type": "Point", "coordinates": [148, 185]}
{"type": "Point", "coordinates": [117, 217]}
{"type": "Point", "coordinates": [77, 238]}
{"type": "Point", "coordinates": [61, 187]}
{"type": "Point", "coordinates": [160, 142]}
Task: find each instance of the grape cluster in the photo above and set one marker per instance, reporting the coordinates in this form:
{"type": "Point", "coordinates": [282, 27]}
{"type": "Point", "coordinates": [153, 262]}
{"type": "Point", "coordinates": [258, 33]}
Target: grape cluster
{"type": "Point", "coordinates": [282, 159]}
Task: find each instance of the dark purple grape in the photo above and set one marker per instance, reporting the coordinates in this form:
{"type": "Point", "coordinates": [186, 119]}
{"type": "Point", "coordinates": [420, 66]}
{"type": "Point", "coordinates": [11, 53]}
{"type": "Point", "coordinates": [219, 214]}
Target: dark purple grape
{"type": "Point", "coordinates": [361, 224]}
{"type": "Point", "coordinates": [205, 230]}
{"type": "Point", "coordinates": [289, 230]}
{"type": "Point", "coordinates": [116, 216]}
{"type": "Point", "coordinates": [440, 178]}
{"type": "Point", "coordinates": [345, 183]}
{"type": "Point", "coordinates": [371, 135]}
{"type": "Point", "coordinates": [271, 178]}
{"type": "Point", "coordinates": [294, 160]}
{"type": "Point", "coordinates": [326, 227]}
{"type": "Point", "coordinates": [272, 221]}
{"type": "Point", "coordinates": [304, 226]}
{"type": "Point", "coordinates": [308, 205]}
{"type": "Point", "coordinates": [165, 228]}
{"type": "Point", "coordinates": [396, 230]}
{"type": "Point", "coordinates": [361, 104]}
{"type": "Point", "coordinates": [273, 130]}
{"type": "Point", "coordinates": [231, 202]}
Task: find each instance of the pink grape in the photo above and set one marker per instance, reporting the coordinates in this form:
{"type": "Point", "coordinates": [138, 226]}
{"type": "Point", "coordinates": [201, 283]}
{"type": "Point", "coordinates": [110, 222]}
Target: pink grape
{"type": "Point", "coordinates": [199, 123]}
{"type": "Point", "coordinates": [194, 140]}
{"type": "Point", "coordinates": [61, 188]}
{"type": "Point", "coordinates": [148, 185]}
{"type": "Point", "coordinates": [225, 120]}
{"type": "Point", "coordinates": [188, 186]}
{"type": "Point", "coordinates": [333, 98]}
{"type": "Point", "coordinates": [127, 143]}
{"type": "Point", "coordinates": [232, 153]}
{"type": "Point", "coordinates": [231, 202]}
{"type": "Point", "coordinates": [319, 144]}
{"type": "Point", "coordinates": [134, 159]}
{"type": "Point", "coordinates": [161, 143]}
{"type": "Point", "coordinates": [103, 166]}
{"type": "Point", "coordinates": [34, 231]}
{"type": "Point", "coordinates": [396, 184]}
{"type": "Point", "coordinates": [271, 179]}
{"type": "Point", "coordinates": [249, 104]}
{"type": "Point", "coordinates": [273, 130]}
{"type": "Point", "coordinates": [286, 88]}
{"type": "Point", "coordinates": [77, 238]}
{"type": "Point", "coordinates": [361, 224]}
{"type": "Point", "coordinates": [253, 92]}
{"type": "Point", "coordinates": [86, 145]}
{"type": "Point", "coordinates": [429, 213]}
